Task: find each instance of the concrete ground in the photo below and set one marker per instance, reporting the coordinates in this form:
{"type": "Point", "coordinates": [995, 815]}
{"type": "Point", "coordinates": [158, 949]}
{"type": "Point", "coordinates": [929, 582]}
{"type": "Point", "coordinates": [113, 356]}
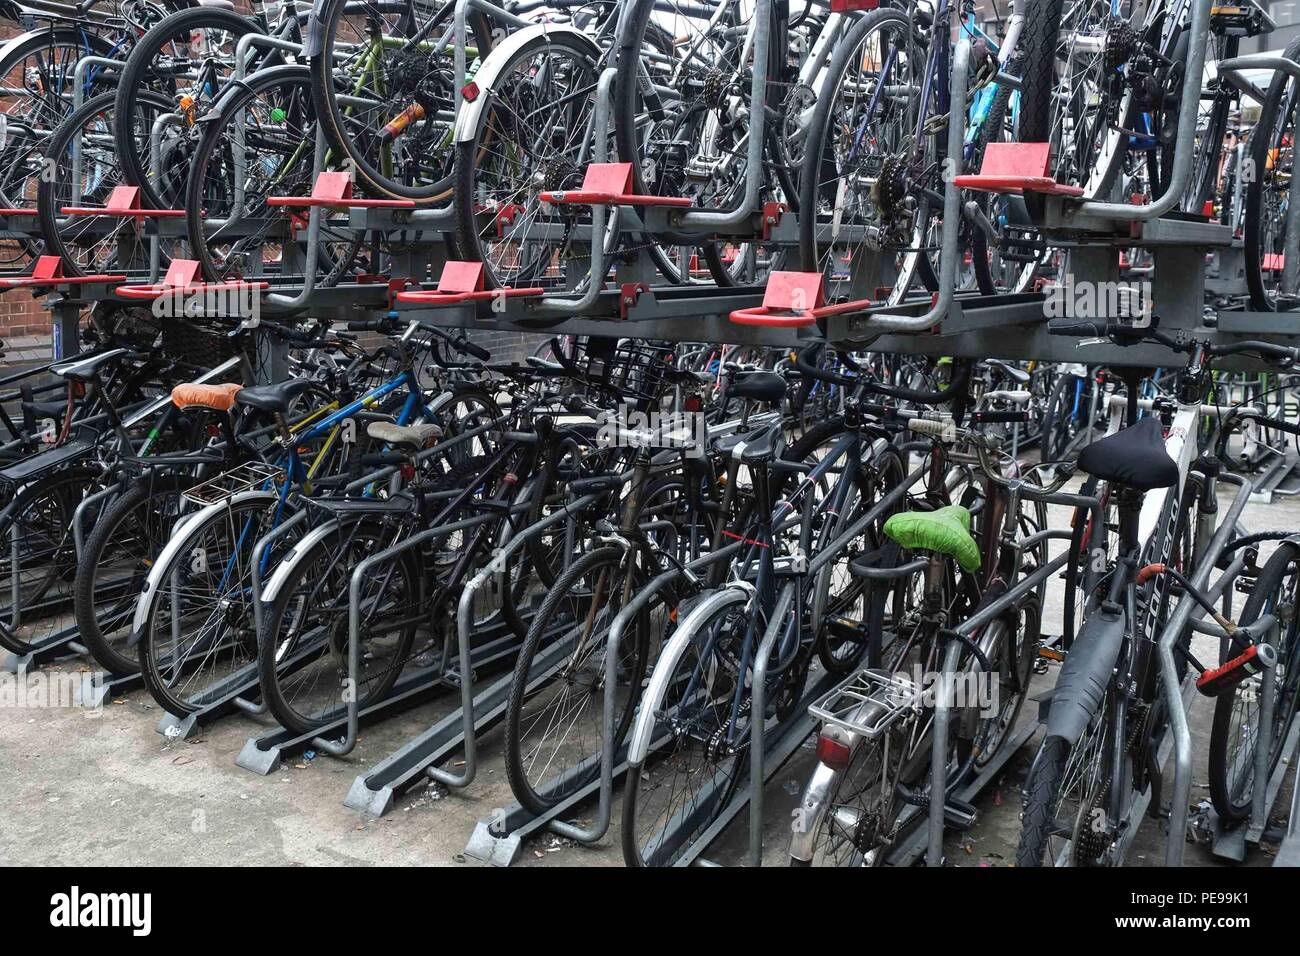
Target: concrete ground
{"type": "Point", "coordinates": [94, 788]}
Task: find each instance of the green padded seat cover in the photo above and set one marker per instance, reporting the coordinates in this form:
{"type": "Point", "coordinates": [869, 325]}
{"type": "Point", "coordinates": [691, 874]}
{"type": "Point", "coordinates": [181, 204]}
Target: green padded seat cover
{"type": "Point", "coordinates": [946, 531]}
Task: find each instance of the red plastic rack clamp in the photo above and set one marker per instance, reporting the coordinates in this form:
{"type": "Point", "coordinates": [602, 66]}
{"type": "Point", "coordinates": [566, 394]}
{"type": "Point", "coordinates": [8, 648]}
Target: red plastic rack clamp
{"type": "Point", "coordinates": [1017, 168]}
{"type": "Point", "coordinates": [183, 276]}
{"type": "Point", "coordinates": [794, 300]}
{"type": "Point", "coordinates": [48, 271]}
{"type": "Point", "coordinates": [462, 282]}
{"type": "Point", "coordinates": [123, 203]}
{"type": "Point", "coordinates": [334, 190]}
{"type": "Point", "coordinates": [609, 184]}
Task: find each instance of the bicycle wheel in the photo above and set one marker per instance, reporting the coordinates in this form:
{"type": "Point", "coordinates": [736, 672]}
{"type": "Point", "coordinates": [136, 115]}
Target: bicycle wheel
{"type": "Point", "coordinates": [84, 167]}
{"type": "Point", "coordinates": [1011, 644]}
{"type": "Point", "coordinates": [534, 135]}
{"type": "Point", "coordinates": [1235, 733]}
{"type": "Point", "coordinates": [859, 227]}
{"type": "Point", "coordinates": [304, 644]}
{"type": "Point", "coordinates": [555, 714]}
{"type": "Point", "coordinates": [189, 53]}
{"type": "Point", "coordinates": [258, 145]}
{"type": "Point", "coordinates": [199, 634]}
{"type": "Point", "coordinates": [384, 87]}
{"type": "Point", "coordinates": [859, 821]}
{"type": "Point", "coordinates": [1063, 823]}
{"type": "Point", "coordinates": [1272, 154]}
{"type": "Point", "coordinates": [688, 780]}
{"type": "Point", "coordinates": [37, 76]}
{"type": "Point", "coordinates": [680, 121]}
{"type": "Point", "coordinates": [128, 536]}
{"type": "Point", "coordinates": [38, 558]}
{"type": "Point", "coordinates": [1066, 98]}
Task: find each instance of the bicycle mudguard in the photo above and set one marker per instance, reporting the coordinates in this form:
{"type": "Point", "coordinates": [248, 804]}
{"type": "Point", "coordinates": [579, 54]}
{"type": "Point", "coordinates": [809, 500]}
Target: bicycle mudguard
{"type": "Point", "coordinates": [472, 113]}
{"type": "Point", "coordinates": [643, 728]}
{"type": "Point", "coordinates": [180, 540]}
{"type": "Point", "coordinates": [1085, 674]}
{"type": "Point", "coordinates": [289, 560]}
{"type": "Point", "coordinates": [313, 38]}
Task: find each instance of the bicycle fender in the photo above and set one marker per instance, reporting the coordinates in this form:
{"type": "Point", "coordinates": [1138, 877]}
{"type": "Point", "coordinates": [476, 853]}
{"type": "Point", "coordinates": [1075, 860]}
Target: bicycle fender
{"type": "Point", "coordinates": [1085, 675]}
{"type": "Point", "coordinates": [180, 539]}
{"type": "Point", "coordinates": [644, 725]}
{"type": "Point", "coordinates": [313, 40]}
{"type": "Point", "coordinates": [472, 113]}
{"type": "Point", "coordinates": [271, 590]}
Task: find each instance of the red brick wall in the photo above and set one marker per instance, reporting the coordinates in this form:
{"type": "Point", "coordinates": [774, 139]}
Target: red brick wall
{"type": "Point", "coordinates": [20, 314]}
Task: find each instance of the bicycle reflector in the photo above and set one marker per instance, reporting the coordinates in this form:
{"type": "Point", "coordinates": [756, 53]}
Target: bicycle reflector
{"type": "Point", "coordinates": [832, 751]}
{"type": "Point", "coordinates": [1220, 680]}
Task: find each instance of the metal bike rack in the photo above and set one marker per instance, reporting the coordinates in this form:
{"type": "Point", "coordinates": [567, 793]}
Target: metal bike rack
{"type": "Point", "coordinates": [497, 839]}
{"type": "Point", "coordinates": [373, 792]}
{"type": "Point", "coordinates": [1180, 735]}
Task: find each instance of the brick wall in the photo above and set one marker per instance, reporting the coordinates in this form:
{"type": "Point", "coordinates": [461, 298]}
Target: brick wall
{"type": "Point", "coordinates": [20, 314]}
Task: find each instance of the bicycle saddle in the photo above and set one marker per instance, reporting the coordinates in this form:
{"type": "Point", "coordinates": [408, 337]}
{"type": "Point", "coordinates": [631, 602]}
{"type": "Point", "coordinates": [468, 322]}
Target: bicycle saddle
{"type": "Point", "coordinates": [758, 446]}
{"type": "Point", "coordinates": [946, 531]}
{"type": "Point", "coordinates": [84, 369]}
{"type": "Point", "coordinates": [413, 436]}
{"type": "Point", "coordinates": [206, 395]}
{"type": "Point", "coordinates": [273, 398]}
{"type": "Point", "coordinates": [1134, 457]}
{"type": "Point", "coordinates": [760, 386]}
{"type": "Point", "coordinates": [1017, 375]}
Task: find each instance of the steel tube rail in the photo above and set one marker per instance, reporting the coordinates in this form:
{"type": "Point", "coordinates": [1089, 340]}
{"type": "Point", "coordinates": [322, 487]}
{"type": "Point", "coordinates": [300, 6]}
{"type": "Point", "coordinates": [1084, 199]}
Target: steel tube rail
{"type": "Point", "coordinates": [604, 808]}
{"type": "Point", "coordinates": [1182, 789]}
{"type": "Point", "coordinates": [754, 152]}
{"type": "Point", "coordinates": [464, 629]}
{"type": "Point", "coordinates": [952, 217]}
{"type": "Point", "coordinates": [757, 718]}
{"type": "Point", "coordinates": [601, 216]}
{"type": "Point", "coordinates": [1184, 146]}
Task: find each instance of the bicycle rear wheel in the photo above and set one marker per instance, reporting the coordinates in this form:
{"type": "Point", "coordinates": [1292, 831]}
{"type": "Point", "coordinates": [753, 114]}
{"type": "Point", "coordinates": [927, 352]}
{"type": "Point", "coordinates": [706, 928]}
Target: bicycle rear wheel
{"type": "Point", "coordinates": [555, 715]}
{"type": "Point", "coordinates": [689, 779]}
{"type": "Point", "coordinates": [199, 634]}
{"type": "Point", "coordinates": [304, 645]}
{"type": "Point", "coordinates": [534, 135]}
{"type": "Point", "coordinates": [1235, 734]}
{"type": "Point", "coordinates": [390, 65]}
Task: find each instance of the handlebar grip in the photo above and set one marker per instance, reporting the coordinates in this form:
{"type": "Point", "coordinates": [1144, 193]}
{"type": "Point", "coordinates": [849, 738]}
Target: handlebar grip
{"type": "Point", "coordinates": [591, 486]}
{"type": "Point", "coordinates": [935, 427]}
{"type": "Point", "coordinates": [1291, 428]}
{"type": "Point", "coordinates": [477, 351]}
{"type": "Point", "coordinates": [1076, 327]}
{"type": "Point", "coordinates": [991, 417]}
{"type": "Point", "coordinates": [807, 369]}
{"type": "Point", "coordinates": [369, 325]}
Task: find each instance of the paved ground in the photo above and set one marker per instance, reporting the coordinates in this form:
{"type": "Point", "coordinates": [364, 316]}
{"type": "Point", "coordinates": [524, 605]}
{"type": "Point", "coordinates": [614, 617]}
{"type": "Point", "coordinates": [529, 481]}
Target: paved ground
{"type": "Point", "coordinates": [105, 788]}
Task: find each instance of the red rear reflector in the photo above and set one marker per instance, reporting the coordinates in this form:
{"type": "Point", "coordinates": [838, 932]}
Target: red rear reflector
{"type": "Point", "coordinates": [469, 92]}
{"type": "Point", "coordinates": [832, 752]}
{"type": "Point", "coordinates": [408, 472]}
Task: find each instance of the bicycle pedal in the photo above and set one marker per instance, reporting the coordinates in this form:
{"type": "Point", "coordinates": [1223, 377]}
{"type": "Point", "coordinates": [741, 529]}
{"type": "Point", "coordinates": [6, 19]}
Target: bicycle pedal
{"type": "Point", "coordinates": [959, 814]}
